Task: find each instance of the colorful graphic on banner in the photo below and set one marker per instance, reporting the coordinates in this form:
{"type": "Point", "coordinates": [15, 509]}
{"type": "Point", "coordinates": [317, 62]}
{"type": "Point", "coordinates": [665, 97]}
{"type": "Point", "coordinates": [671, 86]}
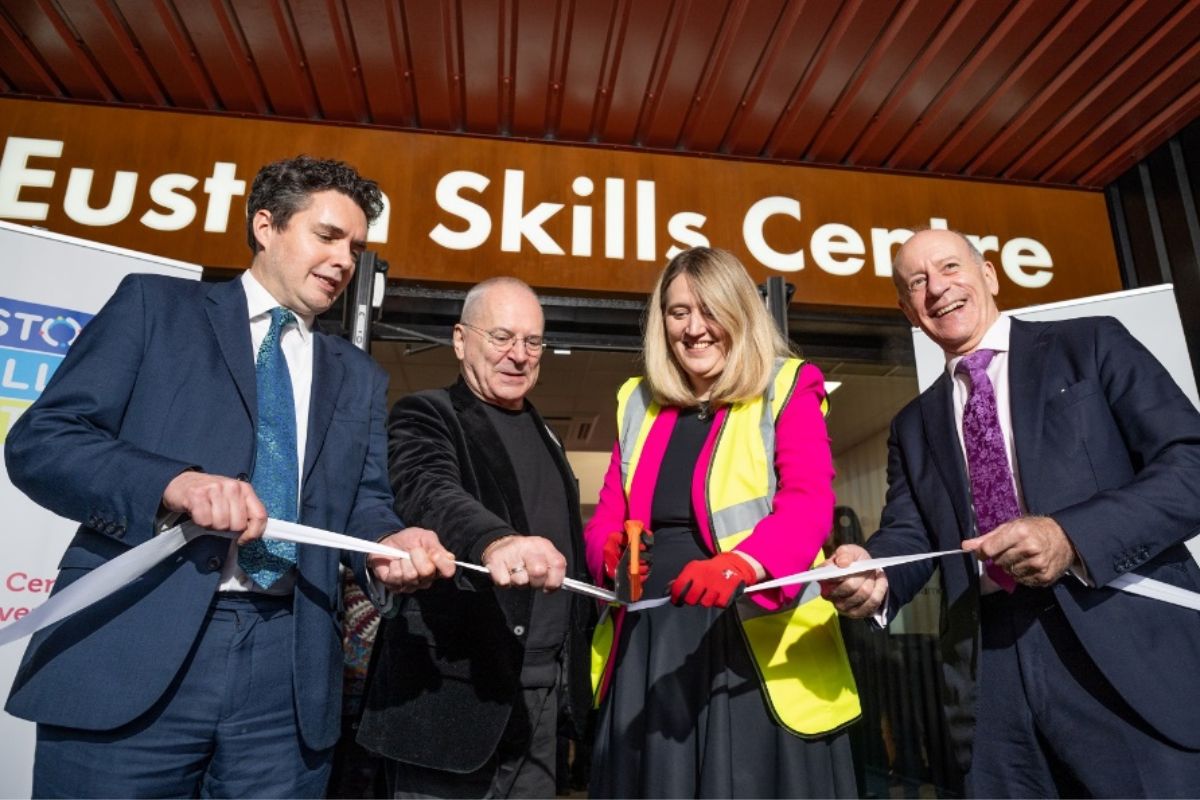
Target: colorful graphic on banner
{"type": "Point", "coordinates": [34, 339]}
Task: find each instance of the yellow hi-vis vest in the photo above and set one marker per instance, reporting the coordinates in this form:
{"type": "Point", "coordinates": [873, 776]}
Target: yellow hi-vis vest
{"type": "Point", "coordinates": [798, 650]}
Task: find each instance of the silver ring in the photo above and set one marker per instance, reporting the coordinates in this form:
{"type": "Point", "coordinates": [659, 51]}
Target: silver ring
{"type": "Point", "coordinates": [516, 569]}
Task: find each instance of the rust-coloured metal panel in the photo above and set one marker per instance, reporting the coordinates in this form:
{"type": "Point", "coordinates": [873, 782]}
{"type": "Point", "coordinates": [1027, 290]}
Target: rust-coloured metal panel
{"type": "Point", "coordinates": [530, 57]}
{"type": "Point", "coordinates": [51, 37]}
{"type": "Point", "coordinates": [1051, 91]}
{"type": "Point", "coordinates": [784, 63]}
{"type": "Point", "coordinates": [906, 34]}
{"type": "Point", "coordinates": [837, 62]}
{"type": "Point", "coordinates": [433, 46]}
{"type": "Point", "coordinates": [323, 34]}
{"type": "Point", "coordinates": [739, 49]}
{"type": "Point", "coordinates": [1117, 37]}
{"type": "Point", "coordinates": [23, 68]}
{"type": "Point", "coordinates": [282, 64]}
{"type": "Point", "coordinates": [636, 58]}
{"type": "Point", "coordinates": [226, 59]}
{"type": "Point", "coordinates": [585, 63]}
{"type": "Point", "coordinates": [688, 50]}
{"type": "Point", "coordinates": [1016, 32]}
{"type": "Point", "coordinates": [1073, 29]}
{"type": "Point", "coordinates": [113, 52]}
{"type": "Point", "coordinates": [168, 50]}
{"type": "Point", "coordinates": [1146, 65]}
{"type": "Point", "coordinates": [379, 36]}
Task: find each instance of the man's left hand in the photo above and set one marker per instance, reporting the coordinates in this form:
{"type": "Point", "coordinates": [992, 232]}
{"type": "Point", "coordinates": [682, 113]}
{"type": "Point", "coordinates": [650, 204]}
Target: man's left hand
{"type": "Point", "coordinates": [427, 561]}
{"type": "Point", "coordinates": [525, 562]}
{"type": "Point", "coordinates": [1034, 550]}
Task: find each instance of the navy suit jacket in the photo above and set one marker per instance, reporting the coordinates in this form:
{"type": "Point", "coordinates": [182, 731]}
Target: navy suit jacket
{"type": "Point", "coordinates": [163, 380]}
{"type": "Point", "coordinates": [1109, 447]}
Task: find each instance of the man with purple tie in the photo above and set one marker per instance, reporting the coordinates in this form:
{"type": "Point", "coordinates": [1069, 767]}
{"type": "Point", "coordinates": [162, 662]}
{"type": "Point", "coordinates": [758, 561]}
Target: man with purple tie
{"type": "Point", "coordinates": [1060, 455]}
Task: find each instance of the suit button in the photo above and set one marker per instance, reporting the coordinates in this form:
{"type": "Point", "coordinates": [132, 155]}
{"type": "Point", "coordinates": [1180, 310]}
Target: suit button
{"type": "Point", "coordinates": [519, 630]}
{"type": "Point", "coordinates": [214, 563]}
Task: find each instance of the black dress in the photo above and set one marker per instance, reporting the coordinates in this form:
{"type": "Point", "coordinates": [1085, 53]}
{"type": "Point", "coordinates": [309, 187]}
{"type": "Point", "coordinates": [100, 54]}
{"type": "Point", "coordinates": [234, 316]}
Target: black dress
{"type": "Point", "coordinates": [685, 715]}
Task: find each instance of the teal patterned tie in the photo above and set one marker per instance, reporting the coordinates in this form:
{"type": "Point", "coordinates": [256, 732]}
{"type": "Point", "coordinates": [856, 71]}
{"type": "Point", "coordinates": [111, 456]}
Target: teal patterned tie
{"type": "Point", "coordinates": [276, 475]}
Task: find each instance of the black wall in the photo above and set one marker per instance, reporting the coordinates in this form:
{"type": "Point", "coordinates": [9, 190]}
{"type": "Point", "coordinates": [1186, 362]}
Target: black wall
{"type": "Point", "coordinates": [1154, 219]}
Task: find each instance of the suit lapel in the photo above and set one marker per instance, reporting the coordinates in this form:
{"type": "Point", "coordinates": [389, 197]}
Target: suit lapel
{"type": "Point", "coordinates": [326, 386]}
{"type": "Point", "coordinates": [937, 416]}
{"type": "Point", "coordinates": [230, 319]}
{"type": "Point", "coordinates": [1026, 366]}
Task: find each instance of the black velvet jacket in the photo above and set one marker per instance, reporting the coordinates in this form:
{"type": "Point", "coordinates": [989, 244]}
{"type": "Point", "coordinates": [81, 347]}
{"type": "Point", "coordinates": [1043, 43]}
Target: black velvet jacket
{"type": "Point", "coordinates": [446, 667]}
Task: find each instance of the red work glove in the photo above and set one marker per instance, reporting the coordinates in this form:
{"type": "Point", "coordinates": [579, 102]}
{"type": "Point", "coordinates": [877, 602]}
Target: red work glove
{"type": "Point", "coordinates": [712, 582]}
{"type": "Point", "coordinates": [615, 546]}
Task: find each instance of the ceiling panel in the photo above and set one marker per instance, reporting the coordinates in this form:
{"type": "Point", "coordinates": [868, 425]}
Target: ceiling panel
{"type": "Point", "coordinates": [1063, 92]}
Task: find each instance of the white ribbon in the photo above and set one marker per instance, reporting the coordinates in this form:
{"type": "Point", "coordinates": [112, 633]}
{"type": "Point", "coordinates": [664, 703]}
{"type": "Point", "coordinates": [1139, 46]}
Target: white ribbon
{"type": "Point", "coordinates": [129, 566]}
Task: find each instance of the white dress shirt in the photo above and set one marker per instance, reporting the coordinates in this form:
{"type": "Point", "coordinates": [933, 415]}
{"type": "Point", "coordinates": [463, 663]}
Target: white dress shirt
{"type": "Point", "coordinates": [297, 344]}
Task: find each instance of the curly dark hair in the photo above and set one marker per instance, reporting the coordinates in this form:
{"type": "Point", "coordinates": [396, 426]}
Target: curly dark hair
{"type": "Point", "coordinates": [283, 188]}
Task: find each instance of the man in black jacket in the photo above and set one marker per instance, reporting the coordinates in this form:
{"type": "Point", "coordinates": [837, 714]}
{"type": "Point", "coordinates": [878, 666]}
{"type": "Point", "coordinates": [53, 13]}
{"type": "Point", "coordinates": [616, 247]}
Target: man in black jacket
{"type": "Point", "coordinates": [468, 679]}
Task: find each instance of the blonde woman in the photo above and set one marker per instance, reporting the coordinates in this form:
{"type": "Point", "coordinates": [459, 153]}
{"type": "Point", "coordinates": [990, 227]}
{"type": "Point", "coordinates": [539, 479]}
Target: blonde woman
{"type": "Point", "coordinates": [723, 453]}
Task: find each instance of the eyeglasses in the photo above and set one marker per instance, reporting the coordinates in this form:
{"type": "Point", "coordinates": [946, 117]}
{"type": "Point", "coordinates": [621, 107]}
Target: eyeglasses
{"type": "Point", "coordinates": [503, 340]}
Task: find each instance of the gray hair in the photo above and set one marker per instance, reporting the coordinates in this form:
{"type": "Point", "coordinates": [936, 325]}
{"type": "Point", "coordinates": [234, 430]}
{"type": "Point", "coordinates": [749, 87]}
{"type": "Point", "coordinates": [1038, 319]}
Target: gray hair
{"type": "Point", "coordinates": [476, 293]}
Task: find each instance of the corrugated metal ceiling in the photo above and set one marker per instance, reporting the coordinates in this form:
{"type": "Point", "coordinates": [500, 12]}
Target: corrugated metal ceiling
{"type": "Point", "coordinates": [1055, 91]}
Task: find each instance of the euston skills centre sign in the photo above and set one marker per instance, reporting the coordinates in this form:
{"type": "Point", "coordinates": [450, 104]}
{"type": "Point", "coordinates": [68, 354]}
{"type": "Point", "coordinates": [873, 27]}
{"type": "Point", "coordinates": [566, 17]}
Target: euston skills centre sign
{"type": "Point", "coordinates": [562, 217]}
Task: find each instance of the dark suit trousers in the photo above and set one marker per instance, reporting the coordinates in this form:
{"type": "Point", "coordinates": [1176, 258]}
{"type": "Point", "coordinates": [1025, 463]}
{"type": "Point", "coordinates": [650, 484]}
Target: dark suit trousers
{"type": "Point", "coordinates": [226, 727]}
{"type": "Point", "coordinates": [1047, 722]}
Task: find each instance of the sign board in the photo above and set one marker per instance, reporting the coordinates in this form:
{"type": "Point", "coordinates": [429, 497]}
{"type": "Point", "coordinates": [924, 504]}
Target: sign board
{"type": "Point", "coordinates": [567, 218]}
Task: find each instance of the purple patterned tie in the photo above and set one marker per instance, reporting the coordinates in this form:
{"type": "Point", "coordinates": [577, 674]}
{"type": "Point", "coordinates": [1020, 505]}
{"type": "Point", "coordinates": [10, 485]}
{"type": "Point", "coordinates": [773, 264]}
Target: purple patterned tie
{"type": "Point", "coordinates": [992, 490]}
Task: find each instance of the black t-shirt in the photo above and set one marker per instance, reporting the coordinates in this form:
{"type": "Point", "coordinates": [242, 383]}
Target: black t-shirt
{"type": "Point", "coordinates": [544, 497]}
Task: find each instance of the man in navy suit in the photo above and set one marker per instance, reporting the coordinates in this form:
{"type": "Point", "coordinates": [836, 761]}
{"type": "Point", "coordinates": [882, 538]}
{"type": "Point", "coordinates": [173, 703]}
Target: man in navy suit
{"type": "Point", "coordinates": [198, 679]}
{"type": "Point", "coordinates": [1056, 683]}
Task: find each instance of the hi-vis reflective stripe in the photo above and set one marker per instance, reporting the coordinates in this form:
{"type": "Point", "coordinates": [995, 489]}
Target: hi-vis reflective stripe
{"type": "Point", "coordinates": [634, 424]}
{"type": "Point", "coordinates": [741, 516]}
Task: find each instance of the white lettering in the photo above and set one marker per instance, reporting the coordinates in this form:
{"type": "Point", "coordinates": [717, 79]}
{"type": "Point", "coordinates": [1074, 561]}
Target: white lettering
{"type": "Point", "coordinates": [581, 219]}
{"type": "Point", "coordinates": [9, 381]}
{"type": "Point", "coordinates": [515, 225]}
{"type": "Point", "coordinates": [1021, 253]}
{"type": "Point", "coordinates": [882, 242]}
{"type": "Point", "coordinates": [684, 228]}
{"type": "Point", "coordinates": [646, 248]}
{"type": "Point", "coordinates": [4, 325]}
{"type": "Point", "coordinates": [15, 175]}
{"type": "Point", "coordinates": [221, 187]}
{"type": "Point", "coordinates": [77, 203]}
{"type": "Point", "coordinates": [166, 192]}
{"type": "Point", "coordinates": [984, 244]}
{"type": "Point", "coordinates": [479, 222]}
{"type": "Point", "coordinates": [27, 322]}
{"type": "Point", "coordinates": [614, 217]}
{"type": "Point", "coordinates": [752, 233]}
{"type": "Point", "coordinates": [833, 239]}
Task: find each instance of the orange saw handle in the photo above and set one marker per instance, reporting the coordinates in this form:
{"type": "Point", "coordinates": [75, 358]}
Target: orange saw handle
{"type": "Point", "coordinates": [633, 530]}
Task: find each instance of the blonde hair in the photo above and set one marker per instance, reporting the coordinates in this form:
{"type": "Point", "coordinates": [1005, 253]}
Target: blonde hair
{"type": "Point", "coordinates": [721, 285]}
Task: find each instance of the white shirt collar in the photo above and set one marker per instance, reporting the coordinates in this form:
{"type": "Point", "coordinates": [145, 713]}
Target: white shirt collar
{"type": "Point", "coordinates": [260, 302]}
{"type": "Point", "coordinates": [996, 339]}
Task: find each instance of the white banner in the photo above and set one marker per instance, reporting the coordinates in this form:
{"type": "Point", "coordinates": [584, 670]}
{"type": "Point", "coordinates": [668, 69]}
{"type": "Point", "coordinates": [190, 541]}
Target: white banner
{"type": "Point", "coordinates": [50, 287]}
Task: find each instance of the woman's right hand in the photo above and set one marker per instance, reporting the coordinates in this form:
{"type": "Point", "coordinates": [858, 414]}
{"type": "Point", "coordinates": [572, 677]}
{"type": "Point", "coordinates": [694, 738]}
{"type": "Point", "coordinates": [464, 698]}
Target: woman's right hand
{"type": "Point", "coordinates": [615, 546]}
